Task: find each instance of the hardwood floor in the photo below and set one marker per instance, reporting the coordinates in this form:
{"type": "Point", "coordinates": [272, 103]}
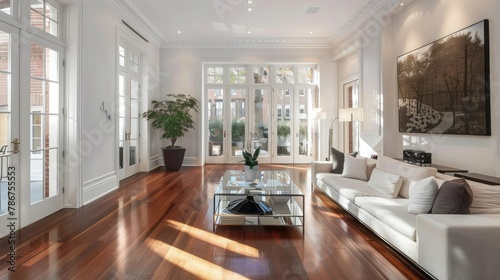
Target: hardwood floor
{"type": "Point", "coordinates": [158, 225]}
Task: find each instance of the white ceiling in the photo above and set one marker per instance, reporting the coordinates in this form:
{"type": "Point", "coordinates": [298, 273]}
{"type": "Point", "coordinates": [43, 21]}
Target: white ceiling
{"type": "Point", "coordinates": [191, 22]}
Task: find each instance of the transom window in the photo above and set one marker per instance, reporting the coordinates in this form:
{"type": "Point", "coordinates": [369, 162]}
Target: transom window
{"type": "Point", "coordinates": [238, 75]}
{"type": "Point", "coordinates": [215, 75]}
{"type": "Point", "coordinates": [45, 16]}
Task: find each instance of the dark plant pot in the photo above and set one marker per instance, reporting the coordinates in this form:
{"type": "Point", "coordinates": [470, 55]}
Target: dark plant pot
{"type": "Point", "coordinates": [173, 158]}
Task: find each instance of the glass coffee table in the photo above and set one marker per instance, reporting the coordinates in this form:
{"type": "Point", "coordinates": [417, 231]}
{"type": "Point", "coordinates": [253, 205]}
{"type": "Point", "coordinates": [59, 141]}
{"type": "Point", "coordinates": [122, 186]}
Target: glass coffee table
{"type": "Point", "coordinates": [271, 200]}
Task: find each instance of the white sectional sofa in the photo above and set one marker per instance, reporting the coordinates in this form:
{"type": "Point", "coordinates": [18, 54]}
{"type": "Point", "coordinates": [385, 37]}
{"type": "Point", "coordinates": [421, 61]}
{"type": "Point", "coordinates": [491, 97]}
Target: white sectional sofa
{"type": "Point", "coordinates": [447, 246]}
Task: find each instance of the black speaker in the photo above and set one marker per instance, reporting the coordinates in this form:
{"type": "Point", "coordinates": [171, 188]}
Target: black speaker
{"type": "Point", "coordinates": [417, 157]}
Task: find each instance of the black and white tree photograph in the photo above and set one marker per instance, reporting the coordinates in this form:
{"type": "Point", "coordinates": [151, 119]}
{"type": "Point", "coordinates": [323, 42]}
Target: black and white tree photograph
{"type": "Point", "coordinates": [443, 87]}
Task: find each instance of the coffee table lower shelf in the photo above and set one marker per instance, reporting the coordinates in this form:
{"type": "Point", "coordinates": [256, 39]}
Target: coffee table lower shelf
{"type": "Point", "coordinates": [289, 214]}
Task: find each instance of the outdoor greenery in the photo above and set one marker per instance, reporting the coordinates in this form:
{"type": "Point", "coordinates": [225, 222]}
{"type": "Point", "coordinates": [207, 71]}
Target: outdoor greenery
{"type": "Point", "coordinates": [173, 116]}
{"type": "Point", "coordinates": [238, 130]}
{"type": "Point", "coordinates": [283, 129]}
{"type": "Point", "coordinates": [216, 128]}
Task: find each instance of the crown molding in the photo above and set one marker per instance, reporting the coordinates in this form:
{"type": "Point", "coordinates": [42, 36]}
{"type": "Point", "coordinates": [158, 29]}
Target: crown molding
{"type": "Point", "coordinates": [248, 43]}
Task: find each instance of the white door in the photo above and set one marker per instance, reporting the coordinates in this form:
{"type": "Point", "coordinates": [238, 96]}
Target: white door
{"type": "Point", "coordinates": [283, 125]}
{"type": "Point", "coordinates": [10, 171]}
{"type": "Point", "coordinates": [128, 124]}
{"type": "Point", "coordinates": [41, 128]}
{"type": "Point", "coordinates": [259, 122]}
{"type": "Point", "coordinates": [304, 101]}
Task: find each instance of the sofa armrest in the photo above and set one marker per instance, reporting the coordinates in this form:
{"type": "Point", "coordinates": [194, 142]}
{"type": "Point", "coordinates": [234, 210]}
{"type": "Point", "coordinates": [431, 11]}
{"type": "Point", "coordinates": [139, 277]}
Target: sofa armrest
{"type": "Point", "coordinates": [459, 246]}
{"type": "Point", "coordinates": [320, 167]}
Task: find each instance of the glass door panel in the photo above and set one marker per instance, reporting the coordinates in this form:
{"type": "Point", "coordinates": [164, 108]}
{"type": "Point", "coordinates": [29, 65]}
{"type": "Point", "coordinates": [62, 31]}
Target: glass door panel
{"type": "Point", "coordinates": [259, 124]}
{"type": "Point", "coordinates": [9, 122]}
{"type": "Point", "coordinates": [44, 104]}
{"type": "Point", "coordinates": [283, 124]}
{"type": "Point", "coordinates": [305, 123]}
{"type": "Point", "coordinates": [128, 125]}
{"type": "Point", "coordinates": [238, 121]}
{"type": "Point", "coordinates": [217, 128]}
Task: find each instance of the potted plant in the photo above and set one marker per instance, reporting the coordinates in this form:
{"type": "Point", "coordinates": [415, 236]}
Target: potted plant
{"type": "Point", "coordinates": [173, 116]}
{"type": "Point", "coordinates": [251, 164]}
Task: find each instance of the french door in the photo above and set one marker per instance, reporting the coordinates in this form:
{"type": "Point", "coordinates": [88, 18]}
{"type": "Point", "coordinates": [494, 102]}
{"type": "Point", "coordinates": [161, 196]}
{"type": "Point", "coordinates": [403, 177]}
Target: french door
{"type": "Point", "coordinates": [128, 127]}
{"type": "Point", "coordinates": [276, 119]}
{"type": "Point", "coordinates": [31, 122]}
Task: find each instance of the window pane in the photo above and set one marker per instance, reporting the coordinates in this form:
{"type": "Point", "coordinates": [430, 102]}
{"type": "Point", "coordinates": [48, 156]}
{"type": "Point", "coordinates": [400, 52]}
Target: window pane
{"type": "Point", "coordinates": [37, 61]}
{"type": "Point", "coordinates": [52, 12]}
{"type": "Point", "coordinates": [215, 75]}
{"type": "Point", "coordinates": [36, 177]}
{"type": "Point", "coordinates": [36, 94]}
{"type": "Point", "coordinates": [134, 89]}
{"type": "Point", "coordinates": [51, 27]}
{"type": "Point", "coordinates": [6, 6]}
{"type": "Point", "coordinates": [284, 75]}
{"type": "Point", "coordinates": [4, 90]}
{"type": "Point", "coordinates": [36, 20]}
{"type": "Point", "coordinates": [52, 98]}
{"type": "Point", "coordinates": [307, 75]}
{"type": "Point", "coordinates": [51, 65]}
{"type": "Point", "coordinates": [261, 75]}
{"type": "Point", "coordinates": [133, 152]}
{"type": "Point", "coordinates": [4, 52]}
{"type": "Point", "coordinates": [238, 75]}
{"type": "Point", "coordinates": [52, 131]}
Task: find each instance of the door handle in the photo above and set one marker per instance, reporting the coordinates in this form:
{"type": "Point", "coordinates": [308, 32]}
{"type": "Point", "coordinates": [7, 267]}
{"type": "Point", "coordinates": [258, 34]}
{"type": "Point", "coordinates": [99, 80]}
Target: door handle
{"type": "Point", "coordinates": [127, 136]}
{"type": "Point", "coordinates": [15, 148]}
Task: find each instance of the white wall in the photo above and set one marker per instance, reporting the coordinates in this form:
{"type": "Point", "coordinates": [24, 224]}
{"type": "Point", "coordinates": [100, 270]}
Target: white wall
{"type": "Point", "coordinates": [181, 72]}
{"type": "Point", "coordinates": [419, 24]}
{"type": "Point", "coordinates": [99, 142]}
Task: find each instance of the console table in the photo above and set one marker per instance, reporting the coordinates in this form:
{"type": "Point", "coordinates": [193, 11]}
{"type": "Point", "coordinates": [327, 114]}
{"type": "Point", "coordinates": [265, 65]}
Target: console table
{"type": "Point", "coordinates": [443, 169]}
{"type": "Point", "coordinates": [485, 179]}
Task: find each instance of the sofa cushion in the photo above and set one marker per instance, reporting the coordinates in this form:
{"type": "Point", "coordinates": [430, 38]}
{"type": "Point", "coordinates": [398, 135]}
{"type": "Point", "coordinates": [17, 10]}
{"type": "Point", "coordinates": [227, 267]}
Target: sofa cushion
{"type": "Point", "coordinates": [338, 160]}
{"type": "Point", "coordinates": [486, 198]}
{"type": "Point", "coordinates": [385, 183]}
{"type": "Point", "coordinates": [393, 212]}
{"type": "Point", "coordinates": [409, 172]}
{"type": "Point", "coordinates": [355, 168]}
{"type": "Point", "coordinates": [454, 197]}
{"type": "Point", "coordinates": [347, 187]}
{"type": "Point", "coordinates": [422, 195]}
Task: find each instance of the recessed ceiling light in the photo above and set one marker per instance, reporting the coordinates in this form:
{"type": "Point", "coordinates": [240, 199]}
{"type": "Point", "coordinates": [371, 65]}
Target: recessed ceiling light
{"type": "Point", "coordinates": [250, 1]}
{"type": "Point", "coordinates": [179, 32]}
{"type": "Point", "coordinates": [249, 32]}
{"type": "Point", "coordinates": [249, 9]}
{"type": "Point", "coordinates": [311, 32]}
{"type": "Point", "coordinates": [401, 4]}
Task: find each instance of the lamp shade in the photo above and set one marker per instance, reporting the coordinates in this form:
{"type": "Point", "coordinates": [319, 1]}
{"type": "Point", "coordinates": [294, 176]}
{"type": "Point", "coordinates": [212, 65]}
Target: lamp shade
{"type": "Point", "coordinates": [351, 114]}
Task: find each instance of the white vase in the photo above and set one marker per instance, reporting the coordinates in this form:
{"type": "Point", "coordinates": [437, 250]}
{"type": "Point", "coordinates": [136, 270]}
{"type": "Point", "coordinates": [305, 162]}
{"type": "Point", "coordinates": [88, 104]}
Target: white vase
{"type": "Point", "coordinates": [251, 174]}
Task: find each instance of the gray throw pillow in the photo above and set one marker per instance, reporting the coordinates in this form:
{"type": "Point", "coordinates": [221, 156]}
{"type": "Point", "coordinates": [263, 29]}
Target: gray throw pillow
{"type": "Point", "coordinates": [338, 160]}
{"type": "Point", "coordinates": [454, 197]}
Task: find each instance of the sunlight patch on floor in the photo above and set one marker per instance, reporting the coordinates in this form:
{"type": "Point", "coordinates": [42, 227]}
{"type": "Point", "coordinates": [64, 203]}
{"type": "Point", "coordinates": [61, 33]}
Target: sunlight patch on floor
{"type": "Point", "coordinates": [194, 265]}
{"type": "Point", "coordinates": [216, 240]}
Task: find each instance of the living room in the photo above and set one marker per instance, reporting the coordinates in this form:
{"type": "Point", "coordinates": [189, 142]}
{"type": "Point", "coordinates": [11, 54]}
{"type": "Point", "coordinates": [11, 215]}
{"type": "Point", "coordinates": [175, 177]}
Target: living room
{"type": "Point", "coordinates": [366, 50]}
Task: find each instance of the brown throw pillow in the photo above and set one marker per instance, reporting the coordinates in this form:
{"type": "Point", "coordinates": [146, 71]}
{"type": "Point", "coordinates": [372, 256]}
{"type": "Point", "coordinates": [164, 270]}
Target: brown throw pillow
{"type": "Point", "coordinates": [338, 160]}
{"type": "Point", "coordinates": [454, 197]}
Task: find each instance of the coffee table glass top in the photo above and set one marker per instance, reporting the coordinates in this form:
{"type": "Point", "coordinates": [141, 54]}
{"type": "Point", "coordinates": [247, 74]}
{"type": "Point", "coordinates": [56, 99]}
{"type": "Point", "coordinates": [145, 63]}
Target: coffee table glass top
{"type": "Point", "coordinates": [275, 183]}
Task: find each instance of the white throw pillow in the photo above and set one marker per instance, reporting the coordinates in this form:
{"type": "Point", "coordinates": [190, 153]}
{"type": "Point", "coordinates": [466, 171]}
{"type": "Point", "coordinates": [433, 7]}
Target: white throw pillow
{"type": "Point", "coordinates": [385, 183]}
{"type": "Point", "coordinates": [409, 172]}
{"type": "Point", "coordinates": [422, 195]}
{"type": "Point", "coordinates": [355, 168]}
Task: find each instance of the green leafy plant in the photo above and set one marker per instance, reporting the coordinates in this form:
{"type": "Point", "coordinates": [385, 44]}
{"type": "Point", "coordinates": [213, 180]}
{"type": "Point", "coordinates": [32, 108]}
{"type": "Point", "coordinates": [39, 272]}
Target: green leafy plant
{"type": "Point", "coordinates": [238, 130]}
{"type": "Point", "coordinates": [249, 159]}
{"type": "Point", "coordinates": [173, 116]}
{"type": "Point", "coordinates": [283, 130]}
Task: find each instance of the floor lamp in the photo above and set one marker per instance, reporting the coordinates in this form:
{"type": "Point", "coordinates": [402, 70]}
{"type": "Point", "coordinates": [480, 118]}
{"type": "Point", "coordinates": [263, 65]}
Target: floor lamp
{"type": "Point", "coordinates": [351, 115]}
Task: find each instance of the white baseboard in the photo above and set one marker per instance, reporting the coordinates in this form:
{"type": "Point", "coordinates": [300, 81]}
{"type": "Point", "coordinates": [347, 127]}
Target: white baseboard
{"type": "Point", "coordinates": [154, 162]}
{"type": "Point", "coordinates": [98, 187]}
{"type": "Point", "coordinates": [190, 161]}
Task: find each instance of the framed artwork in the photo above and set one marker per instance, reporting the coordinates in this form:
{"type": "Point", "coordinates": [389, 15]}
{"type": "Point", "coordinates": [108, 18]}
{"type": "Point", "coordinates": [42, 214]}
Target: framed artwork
{"type": "Point", "coordinates": [444, 86]}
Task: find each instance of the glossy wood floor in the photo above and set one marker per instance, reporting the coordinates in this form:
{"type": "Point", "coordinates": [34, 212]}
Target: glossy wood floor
{"type": "Point", "coordinates": [158, 225]}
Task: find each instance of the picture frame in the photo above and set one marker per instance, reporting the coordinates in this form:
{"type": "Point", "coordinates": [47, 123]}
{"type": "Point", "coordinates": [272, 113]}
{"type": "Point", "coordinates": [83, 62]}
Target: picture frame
{"type": "Point", "coordinates": [444, 86]}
